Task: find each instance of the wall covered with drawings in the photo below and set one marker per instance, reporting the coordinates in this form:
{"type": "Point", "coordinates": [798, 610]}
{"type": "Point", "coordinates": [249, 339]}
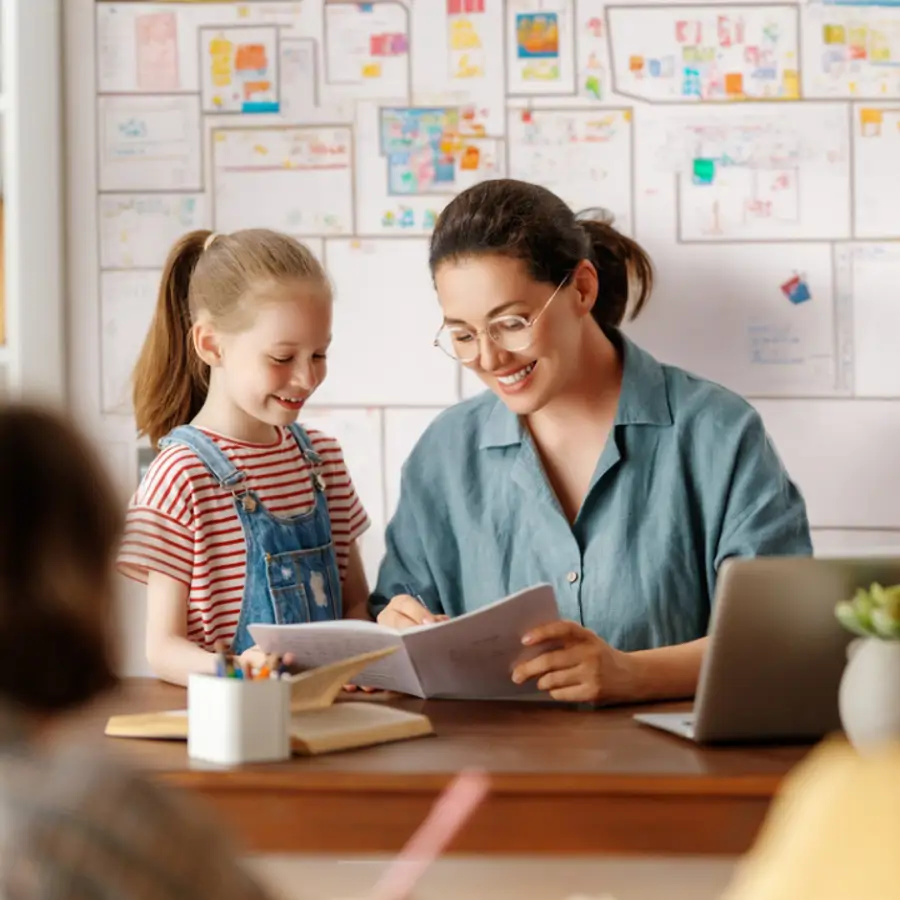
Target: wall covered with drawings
{"type": "Point", "coordinates": [750, 147]}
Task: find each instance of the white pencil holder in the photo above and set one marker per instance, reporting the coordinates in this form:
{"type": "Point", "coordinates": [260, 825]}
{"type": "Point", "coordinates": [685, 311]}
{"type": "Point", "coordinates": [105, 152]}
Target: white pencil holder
{"type": "Point", "coordinates": [232, 721]}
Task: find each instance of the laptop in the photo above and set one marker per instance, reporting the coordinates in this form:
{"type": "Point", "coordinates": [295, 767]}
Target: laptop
{"type": "Point", "coordinates": [776, 652]}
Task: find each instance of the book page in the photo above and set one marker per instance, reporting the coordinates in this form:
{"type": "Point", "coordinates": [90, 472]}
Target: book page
{"type": "Point", "coordinates": [317, 644]}
{"type": "Point", "coordinates": [472, 656]}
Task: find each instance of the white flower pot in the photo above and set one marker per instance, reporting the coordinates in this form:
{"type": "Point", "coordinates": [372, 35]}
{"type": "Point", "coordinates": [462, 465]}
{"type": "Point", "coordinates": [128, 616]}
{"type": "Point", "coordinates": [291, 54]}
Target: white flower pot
{"type": "Point", "coordinates": [869, 695]}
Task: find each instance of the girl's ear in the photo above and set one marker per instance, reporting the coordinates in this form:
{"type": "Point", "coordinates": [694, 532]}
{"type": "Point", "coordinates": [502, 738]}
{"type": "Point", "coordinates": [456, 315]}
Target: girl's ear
{"type": "Point", "coordinates": [206, 344]}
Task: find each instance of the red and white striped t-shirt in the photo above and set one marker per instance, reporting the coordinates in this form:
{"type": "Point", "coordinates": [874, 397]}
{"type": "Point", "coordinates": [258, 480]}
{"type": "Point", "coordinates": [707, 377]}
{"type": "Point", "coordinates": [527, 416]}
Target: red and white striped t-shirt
{"type": "Point", "coordinates": [182, 524]}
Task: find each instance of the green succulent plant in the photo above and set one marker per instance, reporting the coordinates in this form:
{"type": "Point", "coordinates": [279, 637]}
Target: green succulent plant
{"type": "Point", "coordinates": [872, 613]}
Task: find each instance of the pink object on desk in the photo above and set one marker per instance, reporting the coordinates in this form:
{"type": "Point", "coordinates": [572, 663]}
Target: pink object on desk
{"type": "Point", "coordinates": [447, 816]}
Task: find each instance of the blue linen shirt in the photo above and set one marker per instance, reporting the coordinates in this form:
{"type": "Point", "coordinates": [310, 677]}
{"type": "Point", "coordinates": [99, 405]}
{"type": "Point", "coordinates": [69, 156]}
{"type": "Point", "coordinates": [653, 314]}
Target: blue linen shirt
{"type": "Point", "coordinates": [688, 477]}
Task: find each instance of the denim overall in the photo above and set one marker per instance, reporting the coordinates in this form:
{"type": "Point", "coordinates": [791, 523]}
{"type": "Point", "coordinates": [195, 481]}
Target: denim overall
{"type": "Point", "coordinates": [292, 574]}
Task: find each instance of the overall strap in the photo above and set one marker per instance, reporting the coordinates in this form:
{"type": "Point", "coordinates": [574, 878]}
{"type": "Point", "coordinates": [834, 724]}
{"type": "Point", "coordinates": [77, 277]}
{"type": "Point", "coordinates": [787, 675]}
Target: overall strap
{"type": "Point", "coordinates": [218, 464]}
{"type": "Point", "coordinates": [304, 443]}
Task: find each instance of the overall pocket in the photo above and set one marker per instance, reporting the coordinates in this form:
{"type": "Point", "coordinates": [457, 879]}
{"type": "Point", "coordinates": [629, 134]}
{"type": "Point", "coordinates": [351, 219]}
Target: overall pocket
{"type": "Point", "coordinates": [302, 586]}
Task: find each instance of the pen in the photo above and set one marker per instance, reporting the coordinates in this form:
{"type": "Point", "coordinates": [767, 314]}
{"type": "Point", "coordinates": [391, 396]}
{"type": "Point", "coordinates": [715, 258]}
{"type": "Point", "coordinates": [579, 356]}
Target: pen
{"type": "Point", "coordinates": [221, 659]}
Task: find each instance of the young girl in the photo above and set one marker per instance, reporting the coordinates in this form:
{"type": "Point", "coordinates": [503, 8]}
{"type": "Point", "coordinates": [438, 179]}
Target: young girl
{"type": "Point", "coordinates": [243, 516]}
{"type": "Point", "coordinates": [75, 823]}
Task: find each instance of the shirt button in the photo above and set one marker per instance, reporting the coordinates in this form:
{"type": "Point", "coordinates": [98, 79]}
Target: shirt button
{"type": "Point", "coordinates": [572, 577]}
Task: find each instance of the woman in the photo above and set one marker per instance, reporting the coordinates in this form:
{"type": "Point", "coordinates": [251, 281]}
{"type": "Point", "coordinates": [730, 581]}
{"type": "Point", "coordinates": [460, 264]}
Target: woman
{"type": "Point", "coordinates": [74, 824]}
{"type": "Point", "coordinates": [588, 464]}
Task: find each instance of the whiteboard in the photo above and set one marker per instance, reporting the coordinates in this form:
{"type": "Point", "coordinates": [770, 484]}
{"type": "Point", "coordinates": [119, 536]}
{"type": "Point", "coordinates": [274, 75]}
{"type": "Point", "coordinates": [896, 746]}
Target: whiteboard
{"type": "Point", "coordinates": [127, 302]}
{"type": "Point", "coordinates": [138, 230]}
{"type": "Point", "coordinates": [386, 314]}
{"type": "Point", "coordinates": [295, 180]}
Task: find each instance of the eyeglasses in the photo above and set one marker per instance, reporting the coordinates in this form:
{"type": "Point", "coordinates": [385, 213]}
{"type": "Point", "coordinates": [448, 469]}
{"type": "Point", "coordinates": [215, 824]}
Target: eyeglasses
{"type": "Point", "coordinates": [511, 333]}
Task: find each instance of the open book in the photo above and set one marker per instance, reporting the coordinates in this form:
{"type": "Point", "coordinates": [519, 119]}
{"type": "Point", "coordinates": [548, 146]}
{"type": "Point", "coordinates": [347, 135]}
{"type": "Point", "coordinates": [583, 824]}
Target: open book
{"type": "Point", "coordinates": [470, 657]}
{"type": "Point", "coordinates": [318, 724]}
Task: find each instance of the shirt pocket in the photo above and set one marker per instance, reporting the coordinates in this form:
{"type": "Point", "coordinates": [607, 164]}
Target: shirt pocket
{"type": "Point", "coordinates": [303, 586]}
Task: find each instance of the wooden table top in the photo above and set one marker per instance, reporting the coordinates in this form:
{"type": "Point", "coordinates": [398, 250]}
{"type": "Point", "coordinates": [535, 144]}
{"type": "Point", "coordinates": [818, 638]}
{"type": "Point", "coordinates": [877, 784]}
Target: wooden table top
{"type": "Point", "coordinates": [563, 780]}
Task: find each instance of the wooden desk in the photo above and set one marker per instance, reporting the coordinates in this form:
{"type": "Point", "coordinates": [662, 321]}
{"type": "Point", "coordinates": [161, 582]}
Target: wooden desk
{"type": "Point", "coordinates": [563, 781]}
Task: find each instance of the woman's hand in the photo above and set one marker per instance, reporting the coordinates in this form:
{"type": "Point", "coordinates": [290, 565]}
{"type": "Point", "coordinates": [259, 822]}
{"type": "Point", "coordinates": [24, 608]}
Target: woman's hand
{"type": "Point", "coordinates": [253, 657]}
{"type": "Point", "coordinates": [405, 611]}
{"type": "Point", "coordinates": [582, 668]}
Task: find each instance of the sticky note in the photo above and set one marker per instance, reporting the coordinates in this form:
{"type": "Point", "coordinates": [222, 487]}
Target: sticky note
{"type": "Point", "coordinates": [704, 171]}
{"type": "Point", "coordinates": [796, 290]}
{"type": "Point", "coordinates": [834, 34]}
{"type": "Point", "coordinates": [636, 63]}
{"type": "Point", "coordinates": [734, 84]}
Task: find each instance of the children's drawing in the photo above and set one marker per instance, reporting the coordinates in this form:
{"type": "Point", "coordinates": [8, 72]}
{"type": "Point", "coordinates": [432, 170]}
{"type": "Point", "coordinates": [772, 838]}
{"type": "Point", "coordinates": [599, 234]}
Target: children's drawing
{"type": "Point", "coordinates": [366, 42]}
{"type": "Point", "coordinates": [428, 154]}
{"type": "Point", "coordinates": [703, 53]}
{"type": "Point", "coordinates": [540, 47]}
{"type": "Point", "coordinates": [295, 180]}
{"type": "Point", "coordinates": [768, 174]}
{"type": "Point", "coordinates": [239, 70]}
{"type": "Point", "coordinates": [582, 155]}
{"type": "Point", "coordinates": [851, 50]}
{"type": "Point", "coordinates": [467, 52]}
{"type": "Point", "coordinates": [157, 52]}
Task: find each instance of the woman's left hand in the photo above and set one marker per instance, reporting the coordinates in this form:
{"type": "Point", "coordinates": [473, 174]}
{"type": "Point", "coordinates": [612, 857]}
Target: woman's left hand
{"type": "Point", "coordinates": [582, 669]}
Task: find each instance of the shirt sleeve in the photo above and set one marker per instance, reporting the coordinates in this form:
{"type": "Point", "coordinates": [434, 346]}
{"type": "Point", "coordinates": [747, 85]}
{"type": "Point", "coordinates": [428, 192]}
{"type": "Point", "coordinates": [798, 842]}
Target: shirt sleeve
{"type": "Point", "coordinates": [405, 569]}
{"type": "Point", "coordinates": [765, 513]}
{"type": "Point", "coordinates": [159, 524]}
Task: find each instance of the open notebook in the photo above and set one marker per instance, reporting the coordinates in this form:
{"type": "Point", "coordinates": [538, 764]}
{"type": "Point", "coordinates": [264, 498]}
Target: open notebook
{"type": "Point", "coordinates": [318, 724]}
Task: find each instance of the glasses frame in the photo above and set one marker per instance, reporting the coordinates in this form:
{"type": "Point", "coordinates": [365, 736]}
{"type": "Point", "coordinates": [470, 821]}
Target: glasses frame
{"type": "Point", "coordinates": [526, 323]}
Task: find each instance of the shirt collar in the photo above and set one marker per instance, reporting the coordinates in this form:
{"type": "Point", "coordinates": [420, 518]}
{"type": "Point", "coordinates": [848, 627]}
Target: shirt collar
{"type": "Point", "coordinates": [644, 398]}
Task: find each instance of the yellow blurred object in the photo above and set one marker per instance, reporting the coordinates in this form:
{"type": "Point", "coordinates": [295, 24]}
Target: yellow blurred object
{"type": "Point", "coordinates": [833, 832]}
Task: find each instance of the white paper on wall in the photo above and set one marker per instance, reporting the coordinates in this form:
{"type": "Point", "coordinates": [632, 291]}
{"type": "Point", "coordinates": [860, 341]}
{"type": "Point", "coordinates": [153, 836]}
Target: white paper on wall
{"type": "Point", "coordinates": [762, 319]}
{"type": "Point", "coordinates": [820, 438]}
{"type": "Point", "coordinates": [366, 50]}
{"type": "Point", "coordinates": [240, 69]}
{"type": "Point", "coordinates": [149, 143]}
{"type": "Point", "coordinates": [466, 68]}
{"type": "Point", "coordinates": [359, 432]}
{"type": "Point", "coordinates": [385, 318]}
{"type": "Point", "coordinates": [583, 156]}
{"type": "Point", "coordinates": [294, 179]}
{"type": "Point", "coordinates": [540, 47]}
{"type": "Point", "coordinates": [677, 54]}
{"type": "Point", "coordinates": [868, 276]}
{"type": "Point", "coordinates": [749, 172]}
{"type": "Point", "coordinates": [402, 430]}
{"type": "Point", "coordinates": [876, 151]}
{"type": "Point", "coordinates": [850, 50]}
{"type": "Point", "coordinates": [127, 302]}
{"type": "Point", "coordinates": [411, 161]}
{"type": "Point", "coordinates": [138, 230]}
{"type": "Point", "coordinates": [134, 45]}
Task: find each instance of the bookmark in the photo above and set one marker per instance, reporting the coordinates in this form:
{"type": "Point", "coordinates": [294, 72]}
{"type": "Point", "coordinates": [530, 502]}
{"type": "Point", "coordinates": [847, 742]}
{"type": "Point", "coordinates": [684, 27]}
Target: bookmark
{"type": "Point", "coordinates": [449, 813]}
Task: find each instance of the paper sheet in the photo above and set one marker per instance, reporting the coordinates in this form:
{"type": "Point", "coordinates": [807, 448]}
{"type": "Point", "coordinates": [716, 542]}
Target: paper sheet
{"type": "Point", "coordinates": [150, 143]}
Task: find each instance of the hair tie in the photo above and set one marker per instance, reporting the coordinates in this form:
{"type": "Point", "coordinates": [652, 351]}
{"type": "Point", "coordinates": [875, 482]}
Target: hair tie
{"type": "Point", "coordinates": [596, 214]}
{"type": "Point", "coordinates": [210, 240]}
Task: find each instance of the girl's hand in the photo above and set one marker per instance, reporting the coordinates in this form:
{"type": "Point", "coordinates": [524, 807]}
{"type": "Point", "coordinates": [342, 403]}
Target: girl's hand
{"type": "Point", "coordinates": [253, 657]}
{"type": "Point", "coordinates": [584, 669]}
{"type": "Point", "coordinates": [404, 611]}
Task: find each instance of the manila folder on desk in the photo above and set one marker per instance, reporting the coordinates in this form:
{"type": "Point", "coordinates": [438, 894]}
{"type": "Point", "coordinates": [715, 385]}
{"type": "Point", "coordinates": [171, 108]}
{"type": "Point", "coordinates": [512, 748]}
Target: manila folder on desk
{"type": "Point", "coordinates": [470, 657]}
{"type": "Point", "coordinates": [318, 724]}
